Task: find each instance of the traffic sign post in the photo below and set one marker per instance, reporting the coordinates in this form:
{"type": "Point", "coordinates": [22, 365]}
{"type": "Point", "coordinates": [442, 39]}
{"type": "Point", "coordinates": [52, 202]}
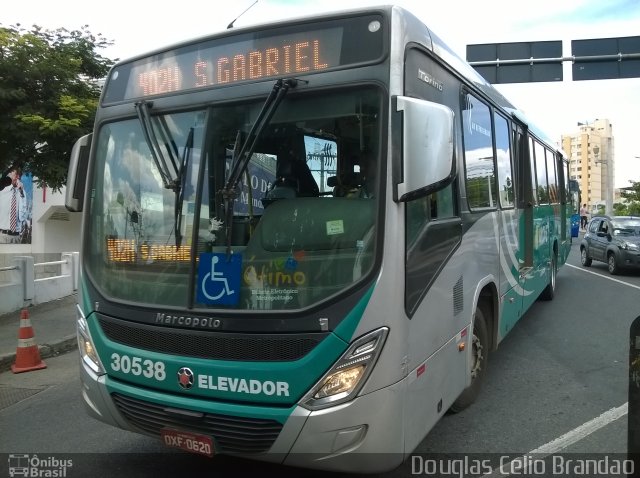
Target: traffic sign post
{"type": "Point", "coordinates": [520, 62]}
{"type": "Point", "coordinates": [606, 58]}
{"type": "Point", "coordinates": [524, 62]}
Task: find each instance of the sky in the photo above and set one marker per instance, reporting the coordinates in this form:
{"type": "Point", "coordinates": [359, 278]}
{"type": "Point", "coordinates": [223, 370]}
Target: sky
{"type": "Point", "coordinates": [138, 26]}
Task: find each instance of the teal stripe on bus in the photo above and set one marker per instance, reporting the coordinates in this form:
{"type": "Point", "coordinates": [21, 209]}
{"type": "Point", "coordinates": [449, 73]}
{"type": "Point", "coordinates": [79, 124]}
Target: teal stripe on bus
{"type": "Point", "coordinates": [349, 324]}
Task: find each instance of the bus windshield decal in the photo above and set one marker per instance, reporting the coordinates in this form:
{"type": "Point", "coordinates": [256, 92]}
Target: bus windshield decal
{"type": "Point", "coordinates": [219, 278]}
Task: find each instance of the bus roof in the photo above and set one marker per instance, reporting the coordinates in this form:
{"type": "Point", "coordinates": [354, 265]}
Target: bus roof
{"type": "Point", "coordinates": [420, 33]}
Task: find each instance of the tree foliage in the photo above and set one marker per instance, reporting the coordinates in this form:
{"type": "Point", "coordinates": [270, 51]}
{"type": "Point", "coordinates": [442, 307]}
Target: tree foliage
{"type": "Point", "coordinates": [49, 89]}
{"type": "Point", "coordinates": [631, 206]}
{"type": "Point", "coordinates": [632, 193]}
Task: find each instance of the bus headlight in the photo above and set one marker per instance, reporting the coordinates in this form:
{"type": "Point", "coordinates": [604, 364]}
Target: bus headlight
{"type": "Point", "coordinates": [340, 382]}
{"type": "Point", "coordinates": [86, 347]}
{"type": "Point", "coordinates": [347, 376]}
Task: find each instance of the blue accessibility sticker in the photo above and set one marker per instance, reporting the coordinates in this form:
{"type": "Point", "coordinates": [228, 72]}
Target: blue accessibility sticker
{"type": "Point", "coordinates": [219, 279]}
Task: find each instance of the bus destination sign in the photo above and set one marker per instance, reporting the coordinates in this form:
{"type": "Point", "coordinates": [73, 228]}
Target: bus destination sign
{"type": "Point", "coordinates": [245, 57]}
{"type": "Point", "coordinates": [232, 64]}
{"type": "Point", "coordinates": [300, 57]}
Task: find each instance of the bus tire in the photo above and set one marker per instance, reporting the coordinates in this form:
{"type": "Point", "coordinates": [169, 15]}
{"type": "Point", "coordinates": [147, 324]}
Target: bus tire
{"type": "Point", "coordinates": [480, 356]}
{"type": "Point", "coordinates": [549, 292]}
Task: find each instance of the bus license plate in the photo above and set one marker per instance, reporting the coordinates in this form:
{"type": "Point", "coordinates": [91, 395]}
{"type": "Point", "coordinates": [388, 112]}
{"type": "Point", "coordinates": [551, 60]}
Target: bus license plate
{"type": "Point", "coordinates": [192, 442]}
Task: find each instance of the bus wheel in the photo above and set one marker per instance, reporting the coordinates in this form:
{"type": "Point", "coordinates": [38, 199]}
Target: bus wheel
{"type": "Point", "coordinates": [479, 357]}
{"type": "Point", "coordinates": [549, 292]}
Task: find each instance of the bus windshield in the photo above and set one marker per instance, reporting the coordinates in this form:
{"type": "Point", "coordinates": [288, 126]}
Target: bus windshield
{"type": "Point", "coordinates": [303, 223]}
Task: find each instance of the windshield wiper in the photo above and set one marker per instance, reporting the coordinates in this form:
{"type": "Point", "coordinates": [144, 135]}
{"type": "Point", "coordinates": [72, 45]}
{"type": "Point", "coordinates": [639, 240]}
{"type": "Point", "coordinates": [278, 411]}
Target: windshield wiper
{"type": "Point", "coordinates": [169, 180]}
{"type": "Point", "coordinates": [242, 155]}
{"type": "Point", "coordinates": [172, 174]}
{"type": "Point", "coordinates": [180, 180]}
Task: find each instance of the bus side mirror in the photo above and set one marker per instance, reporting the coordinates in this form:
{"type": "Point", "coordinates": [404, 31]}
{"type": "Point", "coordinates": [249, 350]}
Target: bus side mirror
{"type": "Point", "coordinates": [427, 147]}
{"type": "Point", "coordinates": [77, 174]}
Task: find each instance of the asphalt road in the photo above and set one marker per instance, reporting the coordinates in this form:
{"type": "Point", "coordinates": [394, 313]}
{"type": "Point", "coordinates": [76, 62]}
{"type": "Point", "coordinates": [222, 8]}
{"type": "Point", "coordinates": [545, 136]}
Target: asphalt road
{"type": "Point", "coordinates": [557, 384]}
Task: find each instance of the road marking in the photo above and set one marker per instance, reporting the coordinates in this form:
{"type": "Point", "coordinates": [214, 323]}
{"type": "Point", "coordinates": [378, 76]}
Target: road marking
{"type": "Point", "coordinates": [603, 276]}
{"type": "Point", "coordinates": [583, 430]}
{"type": "Point", "coordinates": [520, 464]}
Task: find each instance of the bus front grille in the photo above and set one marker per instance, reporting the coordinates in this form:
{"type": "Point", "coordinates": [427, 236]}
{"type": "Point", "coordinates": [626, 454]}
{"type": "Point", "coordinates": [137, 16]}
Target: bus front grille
{"type": "Point", "coordinates": [233, 435]}
{"type": "Point", "coordinates": [210, 345]}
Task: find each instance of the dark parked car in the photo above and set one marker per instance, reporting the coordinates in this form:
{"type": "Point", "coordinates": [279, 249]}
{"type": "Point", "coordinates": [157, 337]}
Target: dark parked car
{"type": "Point", "coordinates": [614, 240]}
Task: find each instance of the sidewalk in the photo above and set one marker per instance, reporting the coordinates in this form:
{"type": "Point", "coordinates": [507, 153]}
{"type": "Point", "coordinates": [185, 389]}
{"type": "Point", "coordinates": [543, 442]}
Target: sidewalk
{"type": "Point", "coordinates": [54, 330]}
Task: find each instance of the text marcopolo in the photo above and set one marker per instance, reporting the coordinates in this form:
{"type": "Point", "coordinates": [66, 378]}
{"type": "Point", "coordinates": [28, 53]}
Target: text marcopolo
{"type": "Point", "coordinates": [182, 320]}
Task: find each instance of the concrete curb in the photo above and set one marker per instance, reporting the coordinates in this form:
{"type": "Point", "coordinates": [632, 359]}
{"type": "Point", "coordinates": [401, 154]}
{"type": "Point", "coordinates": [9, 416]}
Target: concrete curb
{"type": "Point", "coordinates": [63, 346]}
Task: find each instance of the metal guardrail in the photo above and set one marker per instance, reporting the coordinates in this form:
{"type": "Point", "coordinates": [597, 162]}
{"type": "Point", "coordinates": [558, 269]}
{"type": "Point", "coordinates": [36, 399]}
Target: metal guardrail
{"type": "Point", "coordinates": [37, 264]}
{"type": "Point", "coordinates": [51, 263]}
{"type": "Point", "coordinates": [26, 287]}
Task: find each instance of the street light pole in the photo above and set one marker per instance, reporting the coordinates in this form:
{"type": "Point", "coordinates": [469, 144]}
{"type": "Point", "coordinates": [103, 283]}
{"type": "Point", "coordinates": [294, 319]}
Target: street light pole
{"type": "Point", "coordinates": [604, 172]}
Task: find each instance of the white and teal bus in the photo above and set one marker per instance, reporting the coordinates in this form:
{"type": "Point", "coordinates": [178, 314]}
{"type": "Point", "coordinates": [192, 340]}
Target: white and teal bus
{"type": "Point", "coordinates": [301, 240]}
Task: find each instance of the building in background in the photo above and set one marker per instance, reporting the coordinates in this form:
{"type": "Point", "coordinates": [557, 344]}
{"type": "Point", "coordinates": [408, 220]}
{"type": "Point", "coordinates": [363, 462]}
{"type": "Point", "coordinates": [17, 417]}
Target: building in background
{"type": "Point", "coordinates": [592, 164]}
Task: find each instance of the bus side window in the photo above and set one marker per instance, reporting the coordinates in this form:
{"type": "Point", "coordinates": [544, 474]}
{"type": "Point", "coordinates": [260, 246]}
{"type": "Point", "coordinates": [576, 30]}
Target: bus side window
{"type": "Point", "coordinates": [418, 213]}
{"type": "Point", "coordinates": [442, 203]}
{"type": "Point", "coordinates": [438, 205]}
{"type": "Point", "coordinates": [479, 161]}
{"type": "Point", "coordinates": [503, 157]}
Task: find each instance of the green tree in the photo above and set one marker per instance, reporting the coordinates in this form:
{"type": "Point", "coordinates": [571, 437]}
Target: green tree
{"type": "Point", "coordinates": [633, 209]}
{"type": "Point", "coordinates": [632, 196]}
{"type": "Point", "coordinates": [619, 209]}
{"type": "Point", "coordinates": [49, 89]}
{"type": "Point", "coordinates": [631, 193]}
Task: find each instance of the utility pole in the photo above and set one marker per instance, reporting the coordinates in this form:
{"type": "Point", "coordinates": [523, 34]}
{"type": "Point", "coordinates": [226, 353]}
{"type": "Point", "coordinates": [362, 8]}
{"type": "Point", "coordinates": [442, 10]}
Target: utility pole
{"type": "Point", "coordinates": [607, 191]}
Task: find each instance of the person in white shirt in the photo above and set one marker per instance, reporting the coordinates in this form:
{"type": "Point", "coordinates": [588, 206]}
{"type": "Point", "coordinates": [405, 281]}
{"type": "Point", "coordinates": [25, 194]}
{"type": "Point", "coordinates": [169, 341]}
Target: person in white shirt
{"type": "Point", "coordinates": [583, 217]}
{"type": "Point", "coordinates": [12, 204]}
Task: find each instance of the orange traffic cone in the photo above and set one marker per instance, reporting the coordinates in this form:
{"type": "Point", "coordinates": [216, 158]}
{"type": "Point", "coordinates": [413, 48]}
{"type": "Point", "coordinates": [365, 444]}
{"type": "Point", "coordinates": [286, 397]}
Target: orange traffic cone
{"type": "Point", "coordinates": [27, 353]}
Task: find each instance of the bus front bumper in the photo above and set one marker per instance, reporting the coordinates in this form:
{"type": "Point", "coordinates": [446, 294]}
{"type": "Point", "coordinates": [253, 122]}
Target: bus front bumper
{"type": "Point", "coordinates": [364, 435]}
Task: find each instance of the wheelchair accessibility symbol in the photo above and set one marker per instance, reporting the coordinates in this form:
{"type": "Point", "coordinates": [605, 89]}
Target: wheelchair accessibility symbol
{"type": "Point", "coordinates": [219, 279]}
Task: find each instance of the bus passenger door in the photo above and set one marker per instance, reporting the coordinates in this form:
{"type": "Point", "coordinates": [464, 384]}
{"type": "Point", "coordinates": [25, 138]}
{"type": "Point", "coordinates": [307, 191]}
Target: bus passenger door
{"type": "Point", "coordinates": [511, 281]}
{"type": "Point", "coordinates": [526, 200]}
{"type": "Point", "coordinates": [508, 217]}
